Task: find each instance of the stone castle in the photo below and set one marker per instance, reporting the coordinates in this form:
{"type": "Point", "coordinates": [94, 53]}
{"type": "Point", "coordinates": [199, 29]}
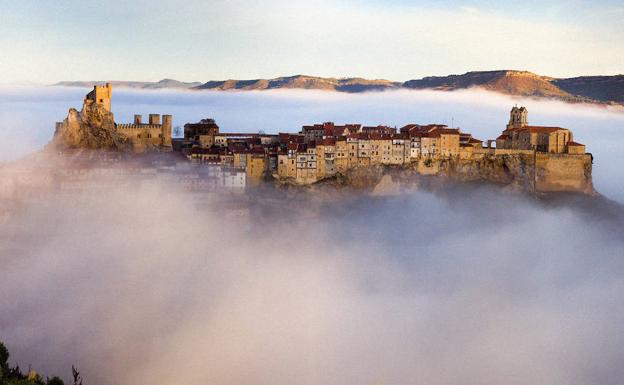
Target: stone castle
{"type": "Point", "coordinates": [95, 127]}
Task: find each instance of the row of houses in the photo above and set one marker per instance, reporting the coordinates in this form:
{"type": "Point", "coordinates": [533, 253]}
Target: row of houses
{"type": "Point", "coordinates": [317, 159]}
{"type": "Point", "coordinates": [323, 150]}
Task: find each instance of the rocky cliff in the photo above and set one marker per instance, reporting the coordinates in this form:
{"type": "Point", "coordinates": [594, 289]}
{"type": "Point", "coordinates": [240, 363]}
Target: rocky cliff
{"type": "Point", "coordinates": [91, 128]}
{"type": "Point", "coordinates": [538, 173]}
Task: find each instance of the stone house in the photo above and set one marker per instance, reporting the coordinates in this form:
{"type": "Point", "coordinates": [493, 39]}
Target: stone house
{"type": "Point", "coordinates": [342, 155]}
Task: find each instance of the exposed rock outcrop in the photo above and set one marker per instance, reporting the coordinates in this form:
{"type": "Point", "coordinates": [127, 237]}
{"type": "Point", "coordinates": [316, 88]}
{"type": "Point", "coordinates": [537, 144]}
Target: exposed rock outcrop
{"type": "Point", "coordinates": [540, 173]}
{"type": "Point", "coordinates": [91, 128]}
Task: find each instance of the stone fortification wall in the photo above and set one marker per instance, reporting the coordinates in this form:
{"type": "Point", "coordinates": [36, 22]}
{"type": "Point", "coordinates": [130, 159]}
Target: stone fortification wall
{"type": "Point", "coordinates": [563, 172]}
{"type": "Point", "coordinates": [138, 126]}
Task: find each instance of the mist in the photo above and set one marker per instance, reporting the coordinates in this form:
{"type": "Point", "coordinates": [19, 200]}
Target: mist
{"type": "Point", "coordinates": [472, 286]}
{"type": "Point", "coordinates": [467, 285]}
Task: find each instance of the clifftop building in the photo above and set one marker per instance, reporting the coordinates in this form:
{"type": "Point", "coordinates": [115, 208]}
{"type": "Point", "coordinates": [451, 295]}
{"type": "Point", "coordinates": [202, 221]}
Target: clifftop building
{"type": "Point", "coordinates": [145, 136]}
{"type": "Point", "coordinates": [94, 127]}
{"type": "Point", "coordinates": [100, 95]}
{"type": "Point", "coordinates": [518, 118]}
{"type": "Point", "coordinates": [519, 135]}
{"type": "Point", "coordinates": [321, 151]}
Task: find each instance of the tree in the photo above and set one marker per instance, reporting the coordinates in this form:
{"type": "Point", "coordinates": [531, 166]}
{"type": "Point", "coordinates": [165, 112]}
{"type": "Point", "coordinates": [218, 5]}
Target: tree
{"type": "Point", "coordinates": [54, 381]}
{"type": "Point", "coordinates": [4, 360]}
{"type": "Point", "coordinates": [14, 376]}
{"type": "Point", "coordinates": [76, 375]}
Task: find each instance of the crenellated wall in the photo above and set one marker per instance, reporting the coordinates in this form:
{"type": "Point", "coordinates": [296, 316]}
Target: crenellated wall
{"type": "Point", "coordinates": [147, 136]}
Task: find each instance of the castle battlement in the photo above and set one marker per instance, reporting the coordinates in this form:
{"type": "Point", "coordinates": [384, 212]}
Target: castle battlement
{"type": "Point", "coordinates": [138, 126]}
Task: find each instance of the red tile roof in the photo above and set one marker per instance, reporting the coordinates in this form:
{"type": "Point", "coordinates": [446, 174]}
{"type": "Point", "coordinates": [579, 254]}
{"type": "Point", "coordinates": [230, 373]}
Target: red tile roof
{"type": "Point", "coordinates": [447, 131]}
{"type": "Point", "coordinates": [540, 129]}
{"type": "Point", "coordinates": [239, 134]}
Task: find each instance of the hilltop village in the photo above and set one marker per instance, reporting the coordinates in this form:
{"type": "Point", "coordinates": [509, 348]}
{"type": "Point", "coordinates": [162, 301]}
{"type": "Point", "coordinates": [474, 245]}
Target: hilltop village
{"type": "Point", "coordinates": [93, 147]}
{"type": "Point", "coordinates": [324, 150]}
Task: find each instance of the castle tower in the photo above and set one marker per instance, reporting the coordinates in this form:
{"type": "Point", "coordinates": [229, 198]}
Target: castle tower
{"type": "Point", "coordinates": [101, 95]}
{"type": "Point", "coordinates": [138, 119]}
{"type": "Point", "coordinates": [154, 119]}
{"type": "Point", "coordinates": [166, 130]}
{"type": "Point", "coordinates": [518, 118]}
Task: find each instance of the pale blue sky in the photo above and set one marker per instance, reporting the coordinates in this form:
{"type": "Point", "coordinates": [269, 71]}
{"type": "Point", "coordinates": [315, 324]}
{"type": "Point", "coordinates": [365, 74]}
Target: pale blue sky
{"type": "Point", "coordinates": [48, 41]}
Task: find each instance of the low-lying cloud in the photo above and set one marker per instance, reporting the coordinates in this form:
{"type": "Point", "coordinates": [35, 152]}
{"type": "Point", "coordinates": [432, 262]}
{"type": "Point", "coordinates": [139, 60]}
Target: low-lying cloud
{"type": "Point", "coordinates": [471, 285]}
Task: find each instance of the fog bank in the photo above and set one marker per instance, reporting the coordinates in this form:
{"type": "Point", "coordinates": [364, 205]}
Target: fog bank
{"type": "Point", "coordinates": [469, 287]}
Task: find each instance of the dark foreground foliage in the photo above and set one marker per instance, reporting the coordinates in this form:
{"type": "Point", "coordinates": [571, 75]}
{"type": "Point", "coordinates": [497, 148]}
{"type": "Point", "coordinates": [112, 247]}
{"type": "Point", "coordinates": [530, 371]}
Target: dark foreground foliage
{"type": "Point", "coordinates": [14, 375]}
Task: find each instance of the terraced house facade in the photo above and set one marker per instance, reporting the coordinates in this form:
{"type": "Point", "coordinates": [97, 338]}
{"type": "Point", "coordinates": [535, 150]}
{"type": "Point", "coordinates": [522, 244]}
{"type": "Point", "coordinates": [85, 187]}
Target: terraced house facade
{"type": "Point", "coordinates": [324, 150]}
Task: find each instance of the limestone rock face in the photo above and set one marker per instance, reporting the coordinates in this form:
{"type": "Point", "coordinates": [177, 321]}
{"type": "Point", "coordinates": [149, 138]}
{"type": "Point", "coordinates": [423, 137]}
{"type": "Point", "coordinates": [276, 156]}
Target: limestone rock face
{"type": "Point", "coordinates": [91, 128]}
{"type": "Point", "coordinates": [540, 173]}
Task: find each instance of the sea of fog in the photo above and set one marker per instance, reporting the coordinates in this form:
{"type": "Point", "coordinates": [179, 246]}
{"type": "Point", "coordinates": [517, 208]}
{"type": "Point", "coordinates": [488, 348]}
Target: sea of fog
{"type": "Point", "coordinates": [27, 116]}
{"type": "Point", "coordinates": [471, 285]}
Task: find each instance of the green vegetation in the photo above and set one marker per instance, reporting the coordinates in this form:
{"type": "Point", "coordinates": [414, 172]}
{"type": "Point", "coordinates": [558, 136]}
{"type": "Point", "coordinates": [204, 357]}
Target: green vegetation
{"type": "Point", "coordinates": [14, 376]}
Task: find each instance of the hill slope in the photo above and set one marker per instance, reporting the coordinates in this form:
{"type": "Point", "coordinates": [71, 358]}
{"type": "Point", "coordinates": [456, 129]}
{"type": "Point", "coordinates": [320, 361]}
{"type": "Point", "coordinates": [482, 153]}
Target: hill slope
{"type": "Point", "coordinates": [603, 88]}
{"type": "Point", "coordinates": [606, 89]}
{"type": "Point", "coordinates": [521, 83]}
{"type": "Point", "coordinates": [303, 82]}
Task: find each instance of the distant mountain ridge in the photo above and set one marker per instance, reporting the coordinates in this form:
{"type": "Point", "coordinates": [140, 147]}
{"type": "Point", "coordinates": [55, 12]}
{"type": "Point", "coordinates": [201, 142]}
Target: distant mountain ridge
{"type": "Point", "coordinates": [605, 89]}
{"type": "Point", "coordinates": [165, 83]}
{"type": "Point", "coordinates": [303, 82]}
{"type": "Point", "coordinates": [592, 89]}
